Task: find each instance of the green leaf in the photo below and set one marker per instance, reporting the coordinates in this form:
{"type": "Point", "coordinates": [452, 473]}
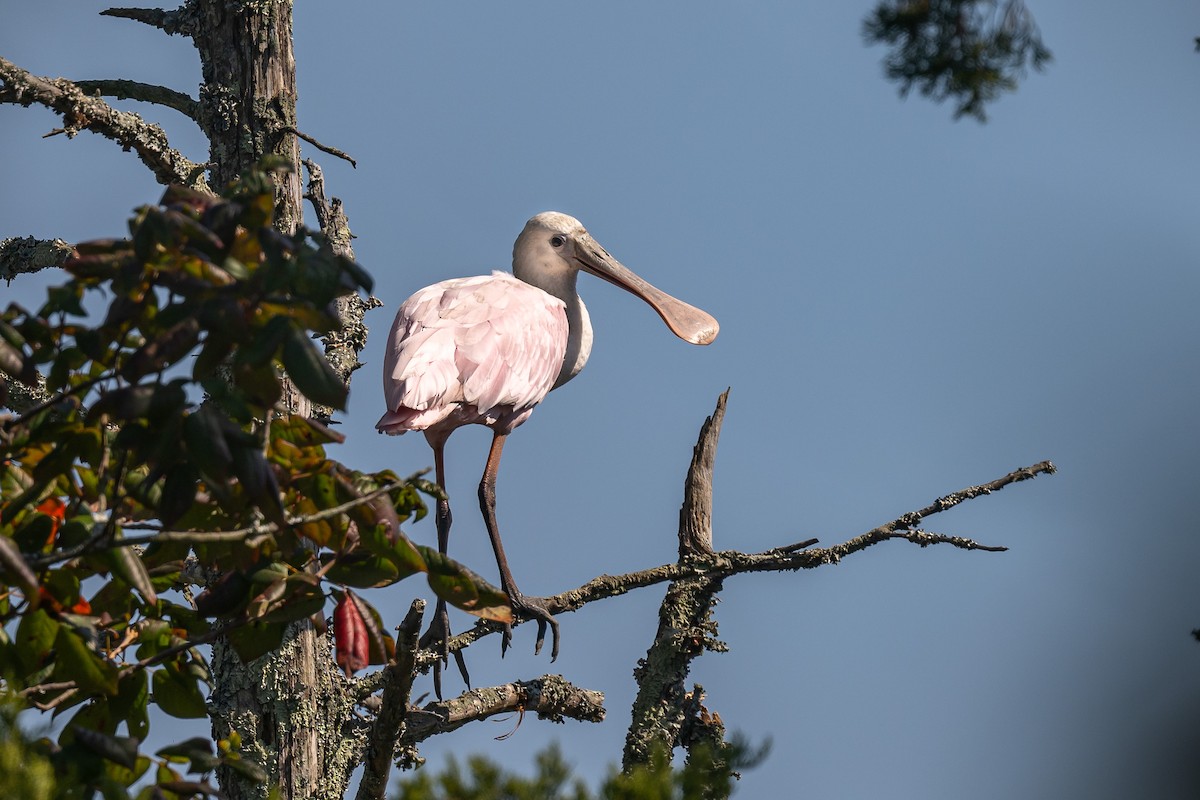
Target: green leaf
{"type": "Point", "coordinates": [131, 703]}
{"type": "Point", "coordinates": [258, 482]}
{"type": "Point", "coordinates": [464, 589]}
{"type": "Point", "coordinates": [178, 693]}
{"type": "Point", "coordinates": [130, 402]}
{"type": "Point", "coordinates": [397, 548]}
{"type": "Point", "coordinates": [212, 354]}
{"type": "Point", "coordinates": [36, 633]}
{"type": "Point", "coordinates": [361, 570]}
{"type": "Point", "coordinates": [198, 752]}
{"type": "Point", "coordinates": [256, 639]}
{"type": "Point", "coordinates": [13, 363]}
{"type": "Point", "coordinates": [121, 750]}
{"type": "Point", "coordinates": [178, 493]}
{"type": "Point", "coordinates": [224, 595]}
{"type": "Point", "coordinates": [247, 769]}
{"type": "Point", "coordinates": [196, 747]}
{"type": "Point", "coordinates": [163, 350]}
{"type": "Point", "coordinates": [207, 434]}
{"type": "Point", "coordinates": [304, 432]}
{"type": "Point", "coordinates": [262, 348]}
{"type": "Point", "coordinates": [303, 598]}
{"type": "Point", "coordinates": [311, 372]}
{"type": "Point", "coordinates": [127, 565]}
{"type": "Point", "coordinates": [76, 662]}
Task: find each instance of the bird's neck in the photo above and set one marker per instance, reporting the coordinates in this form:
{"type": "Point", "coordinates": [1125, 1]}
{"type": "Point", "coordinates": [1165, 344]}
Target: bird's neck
{"type": "Point", "coordinates": [561, 284]}
{"type": "Point", "coordinates": [579, 340]}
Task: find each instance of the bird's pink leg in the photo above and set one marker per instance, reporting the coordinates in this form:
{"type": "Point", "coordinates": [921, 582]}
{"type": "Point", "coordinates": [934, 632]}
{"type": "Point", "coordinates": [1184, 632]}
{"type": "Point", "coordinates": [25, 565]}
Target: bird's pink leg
{"type": "Point", "coordinates": [438, 635]}
{"type": "Point", "coordinates": [531, 607]}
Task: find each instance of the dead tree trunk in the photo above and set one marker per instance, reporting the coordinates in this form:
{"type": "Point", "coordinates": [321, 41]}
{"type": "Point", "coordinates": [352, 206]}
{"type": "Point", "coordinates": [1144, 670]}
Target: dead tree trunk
{"type": "Point", "coordinates": [286, 705]}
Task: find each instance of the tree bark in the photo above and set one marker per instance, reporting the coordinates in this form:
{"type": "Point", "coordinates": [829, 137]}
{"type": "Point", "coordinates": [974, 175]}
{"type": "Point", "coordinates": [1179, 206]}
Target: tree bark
{"type": "Point", "coordinates": [289, 706]}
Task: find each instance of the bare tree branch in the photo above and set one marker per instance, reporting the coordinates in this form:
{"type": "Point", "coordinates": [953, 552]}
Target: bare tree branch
{"type": "Point", "coordinates": [725, 563]}
{"type": "Point", "coordinates": [83, 112]}
{"type": "Point", "coordinates": [27, 254]}
{"type": "Point", "coordinates": [389, 719]}
{"type": "Point", "coordinates": [695, 516]}
{"type": "Point", "coordinates": [146, 92]}
{"type": "Point", "coordinates": [333, 151]}
{"type": "Point", "coordinates": [180, 21]}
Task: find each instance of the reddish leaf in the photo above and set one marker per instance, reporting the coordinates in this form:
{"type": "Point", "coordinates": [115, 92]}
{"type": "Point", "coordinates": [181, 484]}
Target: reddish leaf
{"type": "Point", "coordinates": [350, 635]}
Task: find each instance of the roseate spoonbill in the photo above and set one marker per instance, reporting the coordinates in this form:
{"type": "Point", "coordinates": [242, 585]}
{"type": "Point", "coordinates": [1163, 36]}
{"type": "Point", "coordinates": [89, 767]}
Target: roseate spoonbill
{"type": "Point", "coordinates": [486, 350]}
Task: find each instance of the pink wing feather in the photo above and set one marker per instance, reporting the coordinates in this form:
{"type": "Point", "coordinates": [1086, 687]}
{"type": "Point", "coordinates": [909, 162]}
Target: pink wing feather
{"type": "Point", "coordinates": [472, 350]}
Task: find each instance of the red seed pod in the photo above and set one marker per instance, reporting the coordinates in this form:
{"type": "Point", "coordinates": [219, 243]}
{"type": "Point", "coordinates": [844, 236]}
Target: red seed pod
{"type": "Point", "coordinates": [350, 636]}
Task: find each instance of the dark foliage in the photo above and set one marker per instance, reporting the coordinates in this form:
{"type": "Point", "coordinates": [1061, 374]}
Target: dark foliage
{"type": "Point", "coordinates": [968, 51]}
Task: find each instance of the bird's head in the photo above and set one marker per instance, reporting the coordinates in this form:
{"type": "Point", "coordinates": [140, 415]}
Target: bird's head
{"type": "Point", "coordinates": [552, 249]}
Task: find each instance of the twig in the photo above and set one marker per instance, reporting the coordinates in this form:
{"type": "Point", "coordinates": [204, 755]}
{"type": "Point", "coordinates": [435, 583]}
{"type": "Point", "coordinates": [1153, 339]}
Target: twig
{"type": "Point", "coordinates": [248, 533]}
{"type": "Point", "coordinates": [333, 151]}
{"type": "Point", "coordinates": [145, 92]}
{"type": "Point", "coordinates": [393, 709]}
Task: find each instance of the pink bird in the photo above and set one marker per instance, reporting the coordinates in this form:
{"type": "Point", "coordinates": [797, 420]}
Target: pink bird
{"type": "Point", "coordinates": [486, 350]}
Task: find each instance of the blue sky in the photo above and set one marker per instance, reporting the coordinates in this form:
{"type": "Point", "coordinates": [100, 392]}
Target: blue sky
{"type": "Point", "coordinates": [909, 305]}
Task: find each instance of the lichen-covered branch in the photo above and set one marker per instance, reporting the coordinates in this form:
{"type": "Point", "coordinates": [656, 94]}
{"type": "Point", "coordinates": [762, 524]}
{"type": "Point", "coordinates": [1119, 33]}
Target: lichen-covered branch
{"type": "Point", "coordinates": [145, 92]}
{"type": "Point", "coordinates": [393, 709]}
{"type": "Point", "coordinates": [81, 111]}
{"type": "Point", "coordinates": [686, 627]}
{"type": "Point", "coordinates": [550, 697]}
{"type": "Point", "coordinates": [788, 558]}
{"type": "Point", "coordinates": [20, 398]}
{"type": "Point", "coordinates": [19, 255]}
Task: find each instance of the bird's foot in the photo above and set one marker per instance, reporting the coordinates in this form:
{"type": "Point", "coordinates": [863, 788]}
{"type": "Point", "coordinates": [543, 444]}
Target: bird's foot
{"type": "Point", "coordinates": [437, 638]}
{"type": "Point", "coordinates": [533, 608]}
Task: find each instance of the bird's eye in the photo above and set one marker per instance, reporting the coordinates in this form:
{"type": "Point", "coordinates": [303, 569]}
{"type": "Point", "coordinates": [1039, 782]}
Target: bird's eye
{"type": "Point", "coordinates": [557, 241]}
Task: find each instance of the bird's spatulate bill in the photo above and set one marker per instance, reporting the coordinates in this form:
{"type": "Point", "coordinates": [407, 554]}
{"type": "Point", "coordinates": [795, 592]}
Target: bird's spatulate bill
{"type": "Point", "coordinates": [685, 321]}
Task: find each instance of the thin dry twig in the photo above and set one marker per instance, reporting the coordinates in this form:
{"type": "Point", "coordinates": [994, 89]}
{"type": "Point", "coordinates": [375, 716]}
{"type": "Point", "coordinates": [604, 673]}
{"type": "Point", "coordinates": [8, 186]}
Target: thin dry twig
{"type": "Point", "coordinates": [333, 151]}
